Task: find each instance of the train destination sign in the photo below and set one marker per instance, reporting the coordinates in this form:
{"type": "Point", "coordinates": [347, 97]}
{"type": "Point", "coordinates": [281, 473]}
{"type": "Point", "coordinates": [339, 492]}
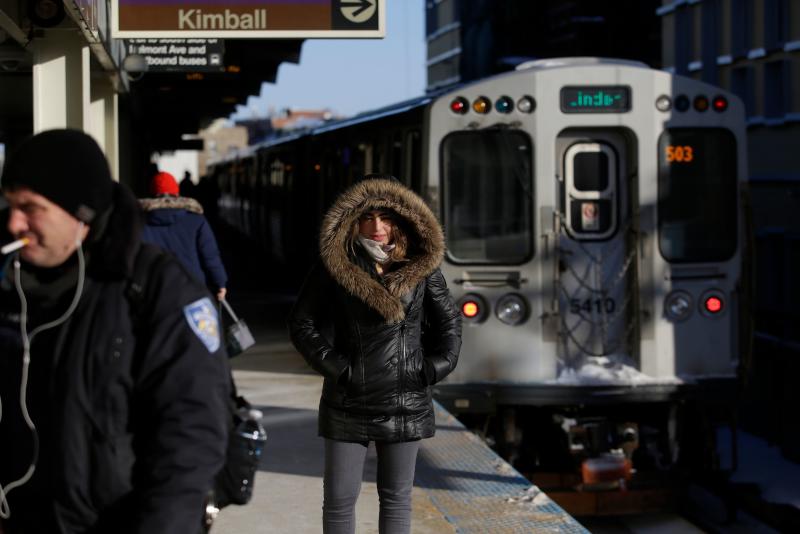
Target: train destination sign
{"type": "Point", "coordinates": [248, 18]}
{"type": "Point", "coordinates": [596, 99]}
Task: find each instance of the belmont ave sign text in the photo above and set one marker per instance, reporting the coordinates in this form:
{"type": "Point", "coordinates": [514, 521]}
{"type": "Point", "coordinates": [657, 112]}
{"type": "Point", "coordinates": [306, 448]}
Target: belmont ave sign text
{"type": "Point", "coordinates": [179, 55]}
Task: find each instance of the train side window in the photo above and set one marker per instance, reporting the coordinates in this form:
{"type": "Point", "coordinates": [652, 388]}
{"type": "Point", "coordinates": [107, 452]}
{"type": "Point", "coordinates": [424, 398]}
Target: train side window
{"type": "Point", "coordinates": [413, 163]}
{"type": "Point", "coordinates": [487, 185]}
{"type": "Point", "coordinates": [396, 165]}
{"type": "Point", "coordinates": [697, 194]}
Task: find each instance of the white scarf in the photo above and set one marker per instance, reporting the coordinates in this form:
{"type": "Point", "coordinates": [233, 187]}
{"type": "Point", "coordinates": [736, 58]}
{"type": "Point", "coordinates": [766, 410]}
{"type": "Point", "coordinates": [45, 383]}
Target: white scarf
{"type": "Point", "coordinates": [376, 250]}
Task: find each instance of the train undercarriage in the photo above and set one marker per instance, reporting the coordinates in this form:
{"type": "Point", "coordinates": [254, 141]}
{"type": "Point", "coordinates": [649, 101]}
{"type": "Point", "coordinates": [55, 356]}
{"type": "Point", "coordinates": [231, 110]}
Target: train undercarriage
{"type": "Point", "coordinates": [604, 450]}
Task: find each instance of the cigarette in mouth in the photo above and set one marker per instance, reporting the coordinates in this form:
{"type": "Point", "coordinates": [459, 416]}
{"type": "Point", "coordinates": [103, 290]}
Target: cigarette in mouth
{"type": "Point", "coordinates": [14, 245]}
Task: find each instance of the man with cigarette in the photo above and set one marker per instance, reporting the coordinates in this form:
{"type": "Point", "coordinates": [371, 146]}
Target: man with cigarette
{"type": "Point", "coordinates": [113, 381]}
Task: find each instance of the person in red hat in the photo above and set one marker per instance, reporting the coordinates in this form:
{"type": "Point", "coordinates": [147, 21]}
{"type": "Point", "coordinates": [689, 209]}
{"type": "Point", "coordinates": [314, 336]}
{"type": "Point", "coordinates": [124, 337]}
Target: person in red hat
{"type": "Point", "coordinates": [177, 224]}
{"type": "Point", "coordinates": [164, 184]}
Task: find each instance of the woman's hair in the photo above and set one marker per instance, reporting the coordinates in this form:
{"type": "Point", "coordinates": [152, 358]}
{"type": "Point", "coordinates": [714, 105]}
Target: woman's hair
{"type": "Point", "coordinates": [399, 238]}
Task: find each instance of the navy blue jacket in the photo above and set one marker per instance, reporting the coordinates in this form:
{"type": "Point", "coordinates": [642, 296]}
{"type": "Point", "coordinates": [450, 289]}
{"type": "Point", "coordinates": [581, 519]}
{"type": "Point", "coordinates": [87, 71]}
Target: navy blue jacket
{"type": "Point", "coordinates": [177, 224]}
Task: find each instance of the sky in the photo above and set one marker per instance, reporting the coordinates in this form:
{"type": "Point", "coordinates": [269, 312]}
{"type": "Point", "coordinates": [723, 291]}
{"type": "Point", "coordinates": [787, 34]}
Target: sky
{"type": "Point", "coordinates": [348, 76]}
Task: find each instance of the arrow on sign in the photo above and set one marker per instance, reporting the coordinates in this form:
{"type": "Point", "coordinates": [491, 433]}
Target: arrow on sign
{"type": "Point", "coordinates": [353, 9]}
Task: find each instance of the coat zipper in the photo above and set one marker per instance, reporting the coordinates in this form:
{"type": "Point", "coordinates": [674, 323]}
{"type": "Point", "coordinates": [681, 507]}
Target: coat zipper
{"type": "Point", "coordinates": [401, 369]}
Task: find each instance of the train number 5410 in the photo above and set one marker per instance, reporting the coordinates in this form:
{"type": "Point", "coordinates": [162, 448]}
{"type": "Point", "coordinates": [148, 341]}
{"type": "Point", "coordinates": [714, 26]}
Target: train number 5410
{"type": "Point", "coordinates": [607, 305]}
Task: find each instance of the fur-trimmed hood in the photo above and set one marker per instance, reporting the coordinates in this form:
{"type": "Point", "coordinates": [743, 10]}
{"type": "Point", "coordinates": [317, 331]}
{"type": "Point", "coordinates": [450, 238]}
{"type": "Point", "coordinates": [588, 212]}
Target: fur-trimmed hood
{"type": "Point", "coordinates": [169, 202]}
{"type": "Point", "coordinates": [424, 233]}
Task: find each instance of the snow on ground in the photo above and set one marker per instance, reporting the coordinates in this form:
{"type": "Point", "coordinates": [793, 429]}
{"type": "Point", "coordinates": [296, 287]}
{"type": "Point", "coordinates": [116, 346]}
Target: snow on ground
{"type": "Point", "coordinates": [603, 370]}
{"type": "Point", "coordinates": [763, 464]}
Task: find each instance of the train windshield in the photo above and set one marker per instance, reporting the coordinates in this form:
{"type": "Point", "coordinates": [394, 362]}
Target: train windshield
{"type": "Point", "coordinates": [488, 196]}
{"type": "Point", "coordinates": [697, 184]}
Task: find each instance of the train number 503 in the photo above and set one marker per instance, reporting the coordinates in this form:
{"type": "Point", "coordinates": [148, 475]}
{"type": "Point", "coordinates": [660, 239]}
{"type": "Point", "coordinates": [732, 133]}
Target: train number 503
{"type": "Point", "coordinates": [679, 154]}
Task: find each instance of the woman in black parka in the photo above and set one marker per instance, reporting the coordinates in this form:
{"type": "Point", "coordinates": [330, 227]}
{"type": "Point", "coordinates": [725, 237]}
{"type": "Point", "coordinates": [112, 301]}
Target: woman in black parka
{"type": "Point", "coordinates": [359, 321]}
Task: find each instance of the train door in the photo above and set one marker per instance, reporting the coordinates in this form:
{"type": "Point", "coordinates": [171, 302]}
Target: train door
{"type": "Point", "coordinates": [595, 254]}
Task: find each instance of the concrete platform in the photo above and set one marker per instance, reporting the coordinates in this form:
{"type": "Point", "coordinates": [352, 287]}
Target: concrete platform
{"type": "Point", "coordinates": [461, 485]}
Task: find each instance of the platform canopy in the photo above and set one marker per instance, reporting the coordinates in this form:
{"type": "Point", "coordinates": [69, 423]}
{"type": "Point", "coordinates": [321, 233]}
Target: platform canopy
{"type": "Point", "coordinates": [168, 104]}
{"type": "Point", "coordinates": [180, 91]}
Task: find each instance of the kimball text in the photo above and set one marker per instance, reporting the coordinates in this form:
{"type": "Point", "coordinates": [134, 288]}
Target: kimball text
{"type": "Point", "coordinates": [195, 19]}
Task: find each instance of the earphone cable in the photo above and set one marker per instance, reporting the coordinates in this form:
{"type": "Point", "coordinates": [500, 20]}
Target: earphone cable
{"type": "Point", "coordinates": [5, 511]}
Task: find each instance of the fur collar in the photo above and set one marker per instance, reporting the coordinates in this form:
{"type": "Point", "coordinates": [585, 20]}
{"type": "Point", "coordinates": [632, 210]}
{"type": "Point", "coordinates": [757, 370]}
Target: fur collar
{"type": "Point", "coordinates": [168, 202]}
{"type": "Point", "coordinates": [424, 231]}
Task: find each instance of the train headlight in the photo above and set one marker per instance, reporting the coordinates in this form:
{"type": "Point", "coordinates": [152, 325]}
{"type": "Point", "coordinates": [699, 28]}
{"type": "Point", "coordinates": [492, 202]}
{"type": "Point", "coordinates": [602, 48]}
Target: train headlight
{"type": "Point", "coordinates": [482, 105]}
{"type": "Point", "coordinates": [678, 305]}
{"type": "Point", "coordinates": [512, 309]}
{"type": "Point", "coordinates": [526, 104]}
{"type": "Point", "coordinates": [663, 103]}
{"type": "Point", "coordinates": [473, 307]}
{"type": "Point", "coordinates": [712, 303]}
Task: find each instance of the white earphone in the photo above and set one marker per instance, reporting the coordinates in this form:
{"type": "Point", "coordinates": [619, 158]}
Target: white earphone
{"type": "Point", "coordinates": [78, 236]}
{"type": "Point", "coordinates": [27, 338]}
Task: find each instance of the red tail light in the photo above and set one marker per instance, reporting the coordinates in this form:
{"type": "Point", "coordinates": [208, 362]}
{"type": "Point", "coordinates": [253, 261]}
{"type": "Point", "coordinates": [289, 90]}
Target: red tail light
{"type": "Point", "coordinates": [720, 103]}
{"type": "Point", "coordinates": [713, 305]}
{"type": "Point", "coordinates": [470, 309]}
{"type": "Point", "coordinates": [459, 105]}
{"type": "Point", "coordinates": [473, 307]}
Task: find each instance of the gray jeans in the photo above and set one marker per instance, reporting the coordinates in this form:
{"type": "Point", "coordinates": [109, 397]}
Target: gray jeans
{"type": "Point", "coordinates": [344, 467]}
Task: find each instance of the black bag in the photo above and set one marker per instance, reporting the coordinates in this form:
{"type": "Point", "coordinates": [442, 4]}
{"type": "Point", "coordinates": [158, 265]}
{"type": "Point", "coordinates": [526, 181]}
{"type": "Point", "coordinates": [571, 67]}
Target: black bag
{"type": "Point", "coordinates": [234, 483]}
{"type": "Point", "coordinates": [238, 337]}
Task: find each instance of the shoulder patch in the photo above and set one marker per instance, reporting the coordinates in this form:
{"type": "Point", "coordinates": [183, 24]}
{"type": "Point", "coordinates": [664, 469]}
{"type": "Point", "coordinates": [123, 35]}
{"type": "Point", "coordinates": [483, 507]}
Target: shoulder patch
{"type": "Point", "coordinates": [202, 318]}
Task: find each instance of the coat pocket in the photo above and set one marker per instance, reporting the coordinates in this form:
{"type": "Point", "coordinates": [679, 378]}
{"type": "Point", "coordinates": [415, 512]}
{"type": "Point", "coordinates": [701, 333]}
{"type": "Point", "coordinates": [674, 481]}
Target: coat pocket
{"type": "Point", "coordinates": [417, 369]}
{"type": "Point", "coordinates": [345, 378]}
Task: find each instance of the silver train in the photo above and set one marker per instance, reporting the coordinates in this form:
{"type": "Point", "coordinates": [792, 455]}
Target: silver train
{"type": "Point", "coordinates": [594, 212]}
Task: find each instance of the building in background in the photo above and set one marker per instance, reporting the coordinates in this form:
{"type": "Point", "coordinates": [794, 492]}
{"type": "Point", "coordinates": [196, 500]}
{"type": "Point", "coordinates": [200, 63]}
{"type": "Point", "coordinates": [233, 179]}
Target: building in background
{"type": "Point", "coordinates": [472, 39]}
{"type": "Point", "coordinates": [220, 140]}
{"type": "Point", "coordinates": [752, 48]}
{"type": "Point", "coordinates": [278, 123]}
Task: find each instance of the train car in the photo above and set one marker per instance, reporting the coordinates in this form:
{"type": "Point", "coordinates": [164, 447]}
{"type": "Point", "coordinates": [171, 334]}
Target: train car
{"type": "Point", "coordinates": [595, 239]}
{"type": "Point", "coordinates": [277, 191]}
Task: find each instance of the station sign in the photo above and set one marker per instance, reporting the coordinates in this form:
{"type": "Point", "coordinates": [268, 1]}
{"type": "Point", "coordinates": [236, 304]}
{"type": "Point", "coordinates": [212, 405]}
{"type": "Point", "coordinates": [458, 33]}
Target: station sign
{"type": "Point", "coordinates": [179, 55]}
{"type": "Point", "coordinates": [299, 19]}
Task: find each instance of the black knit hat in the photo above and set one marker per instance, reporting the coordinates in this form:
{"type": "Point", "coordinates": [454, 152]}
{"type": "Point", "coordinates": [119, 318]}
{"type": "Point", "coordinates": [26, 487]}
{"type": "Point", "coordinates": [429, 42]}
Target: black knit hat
{"type": "Point", "coordinates": [65, 166]}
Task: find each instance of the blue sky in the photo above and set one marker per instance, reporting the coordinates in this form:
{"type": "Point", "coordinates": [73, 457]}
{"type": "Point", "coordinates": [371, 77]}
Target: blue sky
{"type": "Point", "coordinates": [352, 75]}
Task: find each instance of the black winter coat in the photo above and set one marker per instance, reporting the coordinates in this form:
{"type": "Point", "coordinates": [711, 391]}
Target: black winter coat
{"type": "Point", "coordinates": [133, 420]}
{"type": "Point", "coordinates": [379, 343]}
